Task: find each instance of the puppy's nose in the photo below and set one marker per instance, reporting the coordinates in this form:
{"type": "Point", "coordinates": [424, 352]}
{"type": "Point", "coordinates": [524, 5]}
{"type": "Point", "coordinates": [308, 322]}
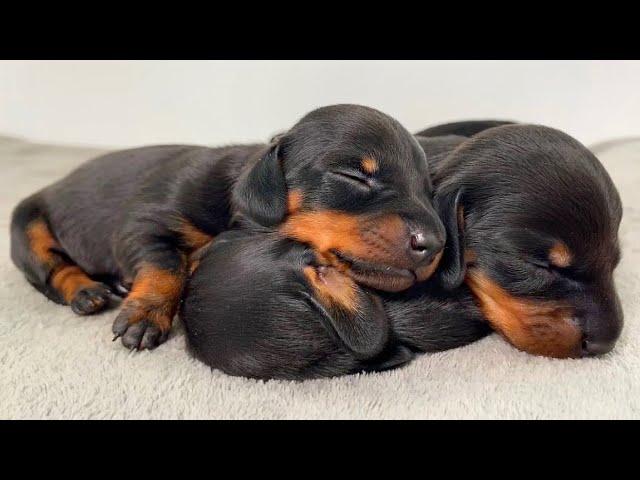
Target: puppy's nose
{"type": "Point", "coordinates": [592, 348]}
{"type": "Point", "coordinates": [423, 247]}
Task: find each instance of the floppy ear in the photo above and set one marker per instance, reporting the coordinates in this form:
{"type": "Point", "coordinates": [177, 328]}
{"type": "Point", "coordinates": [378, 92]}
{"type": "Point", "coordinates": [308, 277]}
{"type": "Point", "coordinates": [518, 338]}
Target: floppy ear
{"type": "Point", "coordinates": [452, 265]}
{"type": "Point", "coordinates": [363, 331]}
{"type": "Point", "coordinates": [261, 191]}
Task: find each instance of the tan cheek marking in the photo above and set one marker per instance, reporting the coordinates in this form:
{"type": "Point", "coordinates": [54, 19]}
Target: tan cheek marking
{"type": "Point", "coordinates": [535, 327]}
{"type": "Point", "coordinates": [192, 236]}
{"type": "Point", "coordinates": [379, 240]}
{"type": "Point", "coordinates": [332, 288]}
{"type": "Point", "coordinates": [369, 165]}
{"type": "Point", "coordinates": [324, 230]}
{"type": "Point", "coordinates": [560, 255]}
{"type": "Point", "coordinates": [294, 201]}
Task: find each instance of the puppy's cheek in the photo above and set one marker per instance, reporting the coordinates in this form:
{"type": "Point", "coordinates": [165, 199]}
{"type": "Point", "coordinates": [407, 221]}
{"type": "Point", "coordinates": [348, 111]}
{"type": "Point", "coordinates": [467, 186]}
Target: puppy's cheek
{"type": "Point", "coordinates": [535, 327]}
{"type": "Point", "coordinates": [378, 240]}
{"type": "Point", "coordinates": [324, 230]}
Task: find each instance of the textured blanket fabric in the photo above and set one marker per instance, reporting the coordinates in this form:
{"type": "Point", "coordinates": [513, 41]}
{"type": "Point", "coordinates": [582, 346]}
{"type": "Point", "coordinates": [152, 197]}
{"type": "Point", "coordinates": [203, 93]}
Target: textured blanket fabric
{"type": "Point", "coordinates": [54, 364]}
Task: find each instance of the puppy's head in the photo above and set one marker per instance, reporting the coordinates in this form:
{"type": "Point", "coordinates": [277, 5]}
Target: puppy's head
{"type": "Point", "coordinates": [532, 222]}
{"type": "Point", "coordinates": [258, 305]}
{"type": "Point", "coordinates": [352, 183]}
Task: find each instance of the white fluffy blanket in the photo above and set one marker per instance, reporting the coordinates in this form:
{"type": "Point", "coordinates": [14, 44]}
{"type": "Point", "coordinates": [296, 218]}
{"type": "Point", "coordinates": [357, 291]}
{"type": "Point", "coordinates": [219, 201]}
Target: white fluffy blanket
{"type": "Point", "coordinates": [54, 364]}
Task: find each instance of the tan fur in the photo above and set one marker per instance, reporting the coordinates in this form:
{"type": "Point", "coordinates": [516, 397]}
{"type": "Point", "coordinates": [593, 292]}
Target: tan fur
{"type": "Point", "coordinates": [332, 288]}
{"type": "Point", "coordinates": [369, 165]}
{"type": "Point", "coordinates": [192, 236]}
{"type": "Point", "coordinates": [378, 240]}
{"type": "Point", "coordinates": [543, 328]}
{"type": "Point", "coordinates": [41, 241]}
{"type": "Point", "coordinates": [67, 279]}
{"type": "Point", "coordinates": [154, 296]}
{"type": "Point", "coordinates": [294, 201]}
{"type": "Point", "coordinates": [560, 255]}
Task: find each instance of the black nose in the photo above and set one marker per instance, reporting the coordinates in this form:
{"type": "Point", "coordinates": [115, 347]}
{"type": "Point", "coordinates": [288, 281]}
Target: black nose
{"type": "Point", "coordinates": [601, 318]}
{"type": "Point", "coordinates": [424, 246]}
{"type": "Point", "coordinates": [592, 348]}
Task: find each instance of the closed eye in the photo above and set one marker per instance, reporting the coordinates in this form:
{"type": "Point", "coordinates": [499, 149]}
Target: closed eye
{"type": "Point", "coordinates": [540, 264]}
{"type": "Point", "coordinates": [550, 268]}
{"type": "Point", "coordinates": [355, 178]}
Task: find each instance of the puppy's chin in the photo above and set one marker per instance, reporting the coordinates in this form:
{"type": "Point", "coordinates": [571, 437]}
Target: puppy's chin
{"type": "Point", "coordinates": [376, 275]}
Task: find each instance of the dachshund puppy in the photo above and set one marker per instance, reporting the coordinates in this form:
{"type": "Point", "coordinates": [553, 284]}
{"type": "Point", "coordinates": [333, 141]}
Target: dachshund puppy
{"type": "Point", "coordinates": [348, 180]}
{"type": "Point", "coordinates": [260, 305]}
{"type": "Point", "coordinates": [532, 218]}
{"type": "Point", "coordinates": [532, 222]}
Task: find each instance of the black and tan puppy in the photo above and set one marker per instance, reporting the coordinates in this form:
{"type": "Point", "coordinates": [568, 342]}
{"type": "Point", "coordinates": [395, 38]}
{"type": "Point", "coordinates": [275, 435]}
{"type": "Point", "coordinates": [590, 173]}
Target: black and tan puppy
{"type": "Point", "coordinates": [532, 223]}
{"type": "Point", "coordinates": [347, 180]}
{"type": "Point", "coordinates": [260, 305]}
{"type": "Point", "coordinates": [532, 219]}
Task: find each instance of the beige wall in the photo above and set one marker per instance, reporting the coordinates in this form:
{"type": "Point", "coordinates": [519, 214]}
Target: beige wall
{"type": "Point", "coordinates": [126, 103]}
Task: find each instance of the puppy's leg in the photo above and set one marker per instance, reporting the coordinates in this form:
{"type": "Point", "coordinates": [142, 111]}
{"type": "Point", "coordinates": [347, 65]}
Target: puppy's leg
{"type": "Point", "coordinates": [152, 251]}
{"type": "Point", "coordinates": [147, 312]}
{"type": "Point", "coordinates": [437, 319]}
{"type": "Point", "coordinates": [35, 250]}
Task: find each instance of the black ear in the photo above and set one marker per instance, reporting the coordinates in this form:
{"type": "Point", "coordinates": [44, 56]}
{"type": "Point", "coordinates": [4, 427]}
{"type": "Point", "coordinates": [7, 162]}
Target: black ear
{"type": "Point", "coordinates": [261, 191]}
{"type": "Point", "coordinates": [452, 265]}
{"type": "Point", "coordinates": [364, 331]}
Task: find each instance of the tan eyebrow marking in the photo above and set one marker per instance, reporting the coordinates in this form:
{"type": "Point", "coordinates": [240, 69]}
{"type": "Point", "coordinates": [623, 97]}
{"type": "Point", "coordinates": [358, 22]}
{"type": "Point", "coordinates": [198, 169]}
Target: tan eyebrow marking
{"type": "Point", "coordinates": [369, 165]}
{"type": "Point", "coordinates": [560, 255]}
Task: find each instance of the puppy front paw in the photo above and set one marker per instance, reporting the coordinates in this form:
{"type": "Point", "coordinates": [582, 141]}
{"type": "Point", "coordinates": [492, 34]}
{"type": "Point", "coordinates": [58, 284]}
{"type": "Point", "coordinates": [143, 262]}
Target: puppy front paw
{"type": "Point", "coordinates": [142, 326]}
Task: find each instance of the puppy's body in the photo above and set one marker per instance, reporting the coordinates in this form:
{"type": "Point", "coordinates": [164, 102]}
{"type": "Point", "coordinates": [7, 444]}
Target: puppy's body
{"type": "Point", "coordinates": [532, 223]}
{"type": "Point", "coordinates": [507, 201]}
{"type": "Point", "coordinates": [348, 172]}
{"type": "Point", "coordinates": [259, 306]}
{"type": "Point", "coordinates": [158, 190]}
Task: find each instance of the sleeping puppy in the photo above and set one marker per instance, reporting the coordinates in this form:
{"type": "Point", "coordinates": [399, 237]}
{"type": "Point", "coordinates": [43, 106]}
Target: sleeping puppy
{"type": "Point", "coordinates": [532, 222]}
{"type": "Point", "coordinates": [262, 306]}
{"type": "Point", "coordinates": [348, 180]}
{"type": "Point", "coordinates": [532, 218]}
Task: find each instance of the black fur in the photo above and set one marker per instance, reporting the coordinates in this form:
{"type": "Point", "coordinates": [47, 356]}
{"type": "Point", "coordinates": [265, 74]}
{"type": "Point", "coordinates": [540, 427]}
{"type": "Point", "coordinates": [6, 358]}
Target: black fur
{"type": "Point", "coordinates": [125, 211]}
{"type": "Point", "coordinates": [506, 195]}
{"type": "Point", "coordinates": [510, 193]}
{"type": "Point", "coordinates": [249, 310]}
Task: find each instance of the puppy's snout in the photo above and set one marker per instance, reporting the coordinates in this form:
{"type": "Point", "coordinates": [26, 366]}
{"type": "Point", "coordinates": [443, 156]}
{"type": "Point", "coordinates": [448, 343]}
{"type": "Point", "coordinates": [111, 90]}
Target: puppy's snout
{"type": "Point", "coordinates": [600, 338]}
{"type": "Point", "coordinates": [601, 326]}
{"type": "Point", "coordinates": [424, 246]}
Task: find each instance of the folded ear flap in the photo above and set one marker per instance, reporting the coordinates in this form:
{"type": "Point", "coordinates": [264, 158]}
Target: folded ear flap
{"type": "Point", "coordinates": [354, 317]}
{"type": "Point", "coordinates": [261, 192]}
{"type": "Point", "coordinates": [363, 332]}
{"type": "Point", "coordinates": [452, 267]}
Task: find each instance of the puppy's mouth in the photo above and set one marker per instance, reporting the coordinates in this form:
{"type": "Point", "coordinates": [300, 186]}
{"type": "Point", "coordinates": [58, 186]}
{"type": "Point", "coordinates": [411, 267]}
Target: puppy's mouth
{"type": "Point", "coordinates": [374, 275]}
